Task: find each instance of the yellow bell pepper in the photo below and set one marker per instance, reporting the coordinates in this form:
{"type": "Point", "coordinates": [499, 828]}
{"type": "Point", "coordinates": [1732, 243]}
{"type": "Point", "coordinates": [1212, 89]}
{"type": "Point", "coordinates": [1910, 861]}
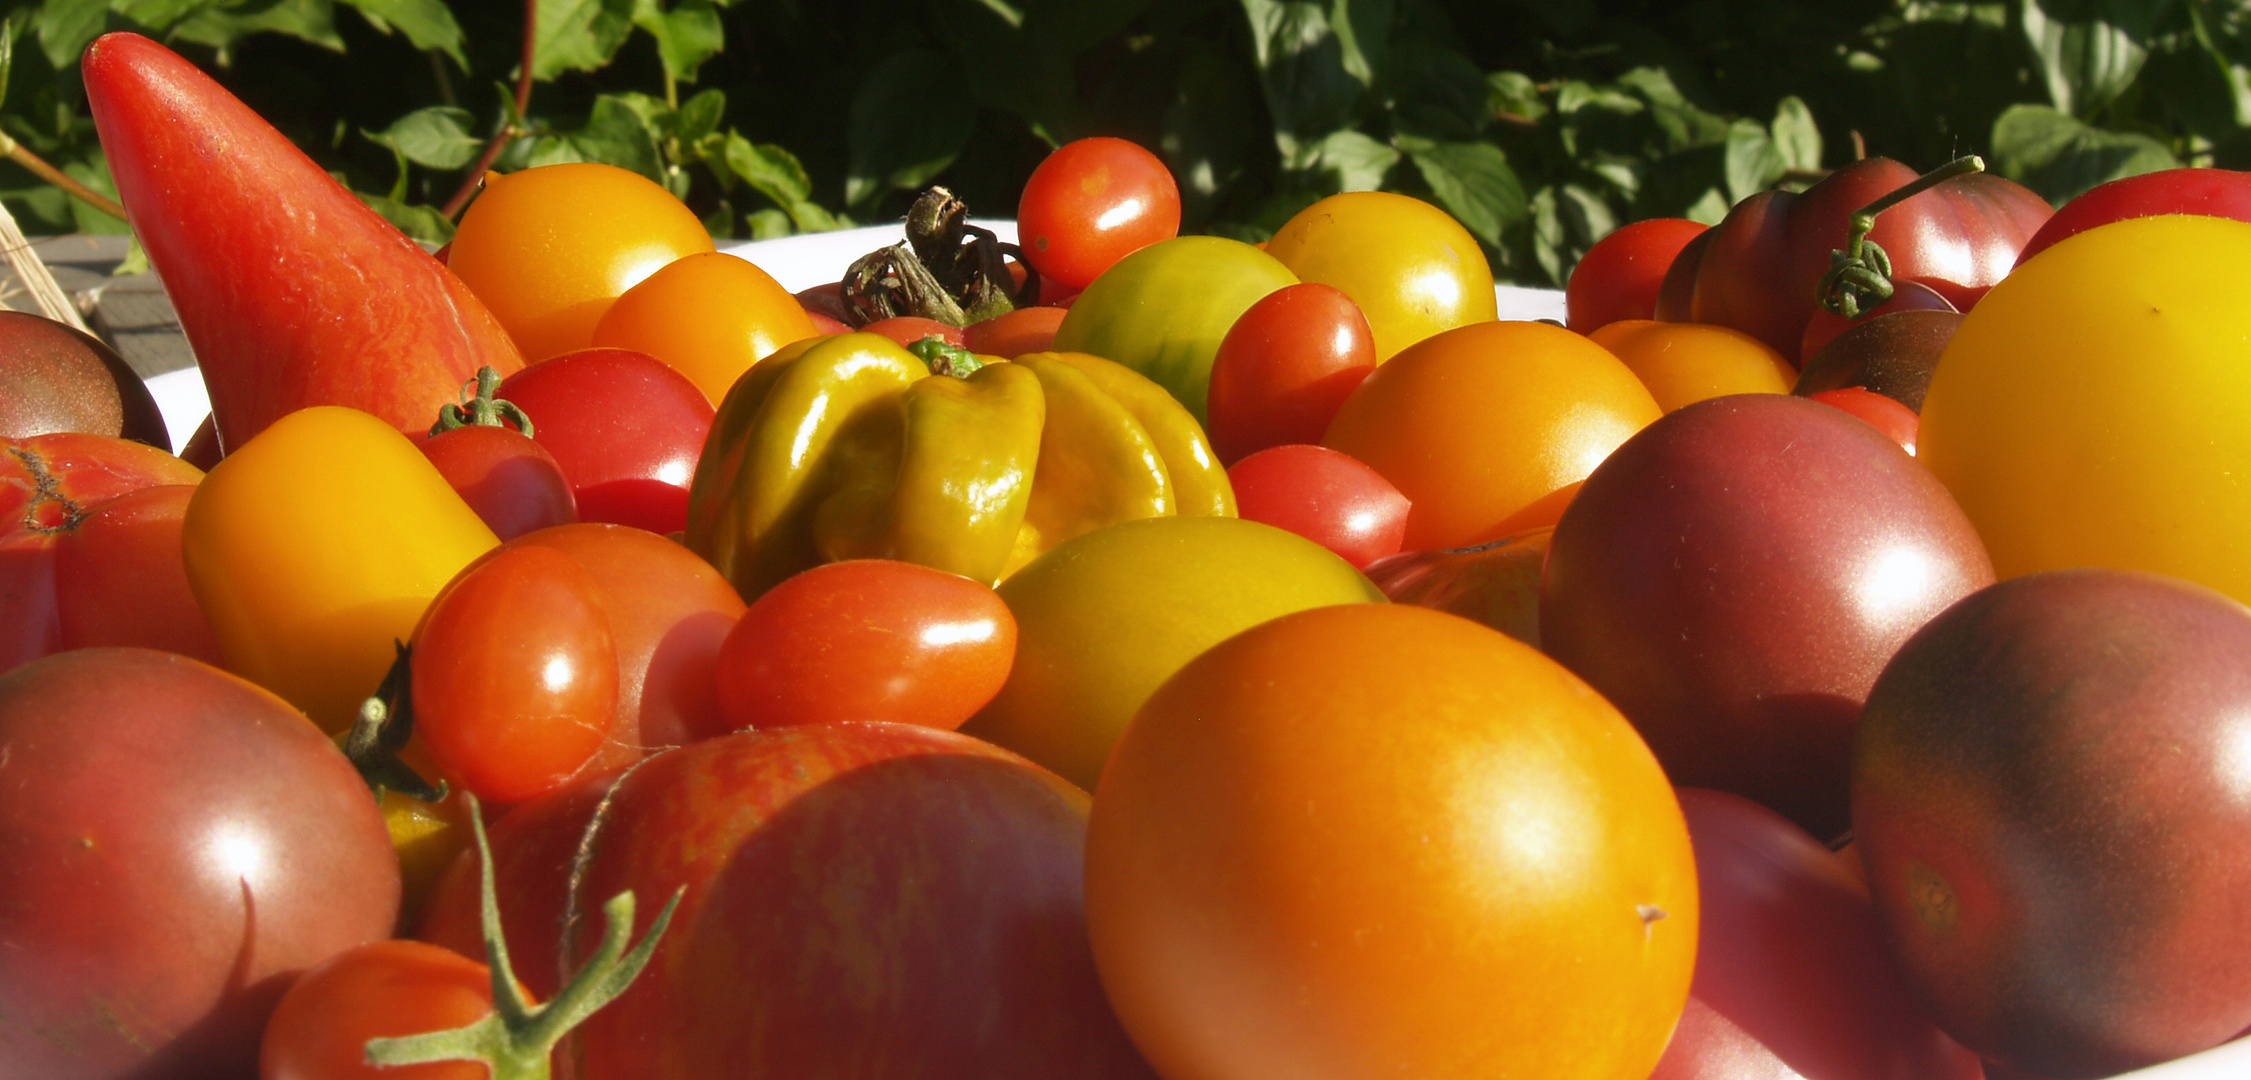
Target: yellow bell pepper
{"type": "Point", "coordinates": [317, 545]}
{"type": "Point", "coordinates": [849, 447]}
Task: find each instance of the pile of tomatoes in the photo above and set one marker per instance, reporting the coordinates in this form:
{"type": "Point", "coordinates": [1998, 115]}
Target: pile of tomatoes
{"type": "Point", "coordinates": [1718, 684]}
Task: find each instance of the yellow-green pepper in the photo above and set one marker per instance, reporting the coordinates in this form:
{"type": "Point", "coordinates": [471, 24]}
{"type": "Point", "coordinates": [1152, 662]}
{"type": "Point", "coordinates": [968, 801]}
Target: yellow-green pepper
{"type": "Point", "coordinates": [849, 447]}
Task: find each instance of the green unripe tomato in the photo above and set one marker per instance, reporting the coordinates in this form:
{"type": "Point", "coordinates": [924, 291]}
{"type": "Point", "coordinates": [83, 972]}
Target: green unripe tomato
{"type": "Point", "coordinates": [1163, 309]}
{"type": "Point", "coordinates": [1104, 618]}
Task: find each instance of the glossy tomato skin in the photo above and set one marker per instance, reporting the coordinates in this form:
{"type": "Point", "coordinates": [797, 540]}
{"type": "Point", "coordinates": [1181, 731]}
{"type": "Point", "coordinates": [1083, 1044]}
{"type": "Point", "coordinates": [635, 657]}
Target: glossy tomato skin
{"type": "Point", "coordinates": [1328, 847]}
{"type": "Point", "coordinates": [1324, 496]}
{"type": "Point", "coordinates": [511, 481]}
{"type": "Point", "coordinates": [867, 639]}
{"type": "Point", "coordinates": [1496, 583]}
{"type": "Point", "coordinates": [1619, 276]}
{"type": "Point", "coordinates": [1892, 354]}
{"type": "Point", "coordinates": [1907, 295]}
{"type": "Point", "coordinates": [379, 990]}
{"type": "Point", "coordinates": [1477, 425]}
{"type": "Point", "coordinates": [180, 843]}
{"type": "Point", "coordinates": [1024, 330]}
{"type": "Point", "coordinates": [625, 428]}
{"type": "Point", "coordinates": [2047, 794]}
{"type": "Point", "coordinates": [1284, 368]}
{"type": "Point", "coordinates": [1793, 979]}
{"type": "Point", "coordinates": [2222, 193]}
{"type": "Point", "coordinates": [1105, 617]}
{"type": "Point", "coordinates": [2095, 408]}
{"type": "Point", "coordinates": [709, 315]}
{"type": "Point", "coordinates": [549, 249]}
{"type": "Point", "coordinates": [515, 675]}
{"type": "Point", "coordinates": [1092, 202]}
{"type": "Point", "coordinates": [1760, 270]}
{"type": "Point", "coordinates": [1882, 413]}
{"type": "Point", "coordinates": [119, 579]}
{"type": "Point", "coordinates": [1734, 577]}
{"type": "Point", "coordinates": [1413, 270]}
{"type": "Point", "coordinates": [1164, 310]}
{"type": "Point", "coordinates": [1684, 363]}
{"type": "Point", "coordinates": [946, 877]}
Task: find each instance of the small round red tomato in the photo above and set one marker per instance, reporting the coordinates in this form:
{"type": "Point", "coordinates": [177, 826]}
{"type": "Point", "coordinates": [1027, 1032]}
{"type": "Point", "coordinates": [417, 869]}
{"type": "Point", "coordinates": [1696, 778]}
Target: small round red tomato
{"type": "Point", "coordinates": [1619, 276]}
{"type": "Point", "coordinates": [1091, 203]}
{"type": "Point", "coordinates": [515, 674]}
{"type": "Point", "coordinates": [1886, 414]}
{"type": "Point", "coordinates": [626, 429]}
{"type": "Point", "coordinates": [1284, 367]}
{"type": "Point", "coordinates": [511, 481]}
{"type": "Point", "coordinates": [867, 639]}
{"type": "Point", "coordinates": [908, 329]}
{"type": "Point", "coordinates": [1024, 330]}
{"type": "Point", "coordinates": [1324, 495]}
{"type": "Point", "coordinates": [379, 990]}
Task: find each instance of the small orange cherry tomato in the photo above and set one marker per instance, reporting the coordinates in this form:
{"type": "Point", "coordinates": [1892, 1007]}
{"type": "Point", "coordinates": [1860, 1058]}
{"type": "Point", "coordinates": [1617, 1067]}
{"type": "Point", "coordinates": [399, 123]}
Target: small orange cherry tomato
{"type": "Point", "coordinates": [383, 989]}
{"type": "Point", "coordinates": [1477, 424]}
{"type": "Point", "coordinates": [1684, 363]}
{"type": "Point", "coordinates": [709, 316]}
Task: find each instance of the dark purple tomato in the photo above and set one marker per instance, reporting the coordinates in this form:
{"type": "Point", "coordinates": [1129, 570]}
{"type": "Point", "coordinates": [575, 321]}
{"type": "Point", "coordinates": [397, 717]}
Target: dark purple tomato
{"type": "Point", "coordinates": [1324, 495]}
{"type": "Point", "coordinates": [511, 481]}
{"type": "Point", "coordinates": [175, 845]}
{"type": "Point", "coordinates": [55, 377]}
{"type": "Point", "coordinates": [1892, 354]}
{"type": "Point", "coordinates": [1792, 978]}
{"type": "Point", "coordinates": [2052, 795]}
{"type": "Point", "coordinates": [625, 428]}
{"type": "Point", "coordinates": [1734, 576]}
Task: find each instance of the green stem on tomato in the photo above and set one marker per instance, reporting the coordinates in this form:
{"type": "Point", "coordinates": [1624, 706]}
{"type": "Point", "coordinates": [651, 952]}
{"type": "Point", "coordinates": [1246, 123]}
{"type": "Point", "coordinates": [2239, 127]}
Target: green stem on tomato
{"type": "Point", "coordinates": [1859, 276]}
{"type": "Point", "coordinates": [517, 1040]}
{"type": "Point", "coordinates": [479, 408]}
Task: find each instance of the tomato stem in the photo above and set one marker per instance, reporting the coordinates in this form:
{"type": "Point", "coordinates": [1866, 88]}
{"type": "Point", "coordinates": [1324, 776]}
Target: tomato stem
{"type": "Point", "coordinates": [385, 723]}
{"type": "Point", "coordinates": [517, 1040]}
{"type": "Point", "coordinates": [946, 269]}
{"type": "Point", "coordinates": [479, 407]}
{"type": "Point", "coordinates": [1859, 276]}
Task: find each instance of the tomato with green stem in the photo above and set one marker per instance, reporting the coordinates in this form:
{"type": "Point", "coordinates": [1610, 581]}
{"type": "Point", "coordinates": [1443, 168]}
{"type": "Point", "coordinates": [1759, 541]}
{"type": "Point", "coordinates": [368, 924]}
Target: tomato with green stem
{"type": "Point", "coordinates": [867, 639]}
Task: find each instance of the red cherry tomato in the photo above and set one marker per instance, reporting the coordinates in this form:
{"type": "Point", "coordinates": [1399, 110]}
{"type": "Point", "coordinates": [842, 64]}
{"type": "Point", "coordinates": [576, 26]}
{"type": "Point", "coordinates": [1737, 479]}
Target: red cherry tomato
{"type": "Point", "coordinates": [382, 989]}
{"type": "Point", "coordinates": [1324, 495]}
{"type": "Point", "coordinates": [908, 329]}
{"type": "Point", "coordinates": [867, 639]}
{"type": "Point", "coordinates": [1884, 413]}
{"type": "Point", "coordinates": [1091, 203]}
{"type": "Point", "coordinates": [515, 674]}
{"type": "Point", "coordinates": [1024, 330]}
{"type": "Point", "coordinates": [1619, 276]}
{"type": "Point", "coordinates": [2210, 192]}
{"type": "Point", "coordinates": [511, 481]}
{"type": "Point", "coordinates": [625, 428]}
{"type": "Point", "coordinates": [1283, 369]}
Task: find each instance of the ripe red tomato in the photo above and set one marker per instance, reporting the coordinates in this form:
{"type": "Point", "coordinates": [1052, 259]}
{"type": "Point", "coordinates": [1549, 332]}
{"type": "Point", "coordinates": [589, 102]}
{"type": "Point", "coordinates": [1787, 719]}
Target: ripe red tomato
{"type": "Point", "coordinates": [1093, 202]}
{"type": "Point", "coordinates": [1885, 414]}
{"type": "Point", "coordinates": [381, 989]}
{"type": "Point", "coordinates": [1283, 369]}
{"type": "Point", "coordinates": [908, 329]}
{"type": "Point", "coordinates": [515, 674]}
{"type": "Point", "coordinates": [1024, 330]}
{"type": "Point", "coordinates": [511, 481]}
{"type": "Point", "coordinates": [867, 639]}
{"type": "Point", "coordinates": [626, 429]}
{"type": "Point", "coordinates": [2210, 192]}
{"type": "Point", "coordinates": [1324, 495]}
{"type": "Point", "coordinates": [1619, 276]}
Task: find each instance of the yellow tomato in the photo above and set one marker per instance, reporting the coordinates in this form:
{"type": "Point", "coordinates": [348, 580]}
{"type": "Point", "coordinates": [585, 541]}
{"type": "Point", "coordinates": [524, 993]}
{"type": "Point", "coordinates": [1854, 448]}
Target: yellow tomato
{"type": "Point", "coordinates": [1383, 841]}
{"type": "Point", "coordinates": [1103, 618]}
{"type": "Point", "coordinates": [1684, 363]}
{"type": "Point", "coordinates": [709, 316]}
{"type": "Point", "coordinates": [1477, 425]}
{"type": "Point", "coordinates": [2094, 409]}
{"type": "Point", "coordinates": [1410, 266]}
{"type": "Point", "coordinates": [548, 249]}
{"type": "Point", "coordinates": [315, 546]}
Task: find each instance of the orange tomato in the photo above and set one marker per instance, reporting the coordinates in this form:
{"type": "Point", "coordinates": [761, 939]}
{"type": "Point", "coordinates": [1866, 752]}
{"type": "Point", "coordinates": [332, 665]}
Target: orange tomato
{"type": "Point", "coordinates": [1410, 266]}
{"type": "Point", "coordinates": [548, 249]}
{"type": "Point", "coordinates": [1379, 840]}
{"type": "Point", "coordinates": [1684, 363]}
{"type": "Point", "coordinates": [710, 316]}
{"type": "Point", "coordinates": [1479, 423]}
{"type": "Point", "coordinates": [378, 990]}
